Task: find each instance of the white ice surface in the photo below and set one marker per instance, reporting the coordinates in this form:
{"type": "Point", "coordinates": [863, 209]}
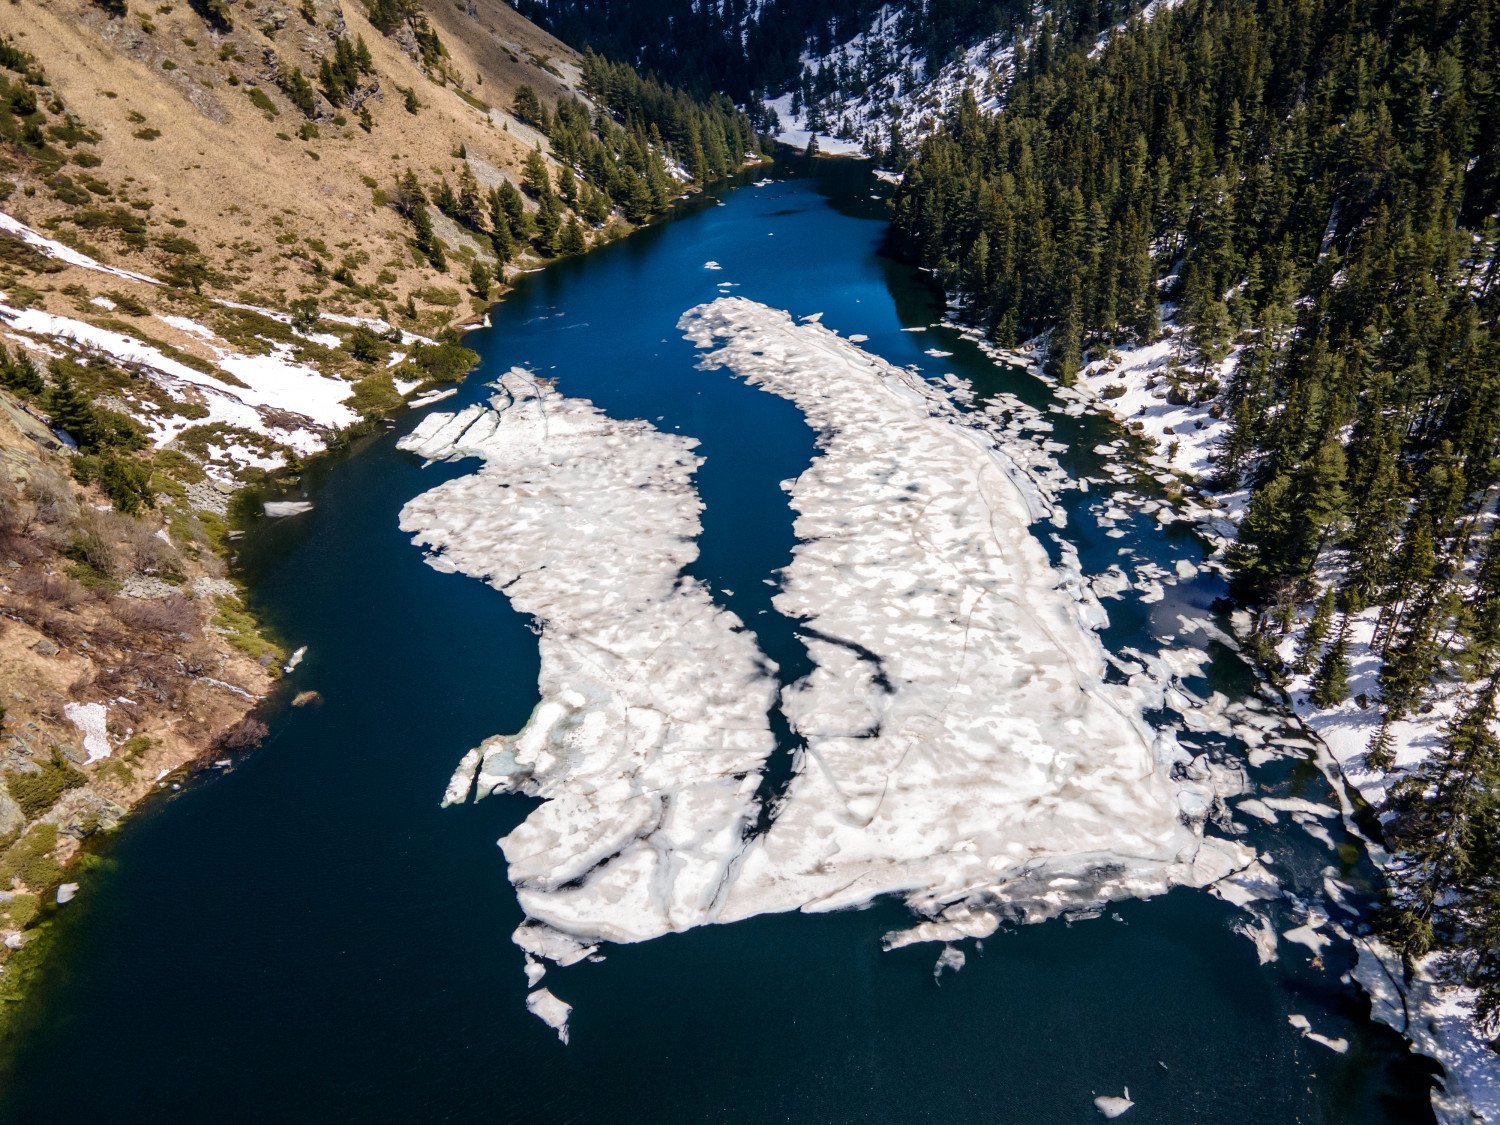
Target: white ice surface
{"type": "Point", "coordinates": [551, 1011]}
{"type": "Point", "coordinates": [1112, 1106]}
{"type": "Point", "coordinates": [963, 750]}
{"type": "Point", "coordinates": [279, 509]}
{"type": "Point", "coordinates": [653, 727]}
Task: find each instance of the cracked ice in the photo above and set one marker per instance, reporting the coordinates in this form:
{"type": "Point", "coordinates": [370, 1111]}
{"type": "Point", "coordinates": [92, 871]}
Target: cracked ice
{"type": "Point", "coordinates": [962, 748]}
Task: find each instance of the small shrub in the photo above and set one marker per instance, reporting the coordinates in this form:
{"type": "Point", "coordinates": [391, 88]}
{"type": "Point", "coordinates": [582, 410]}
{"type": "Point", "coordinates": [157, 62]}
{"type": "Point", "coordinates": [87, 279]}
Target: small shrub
{"type": "Point", "coordinates": [366, 345]}
{"type": "Point", "coordinates": [165, 617]}
{"type": "Point", "coordinates": [30, 858]}
{"type": "Point", "coordinates": [262, 102]}
{"type": "Point", "coordinates": [38, 792]}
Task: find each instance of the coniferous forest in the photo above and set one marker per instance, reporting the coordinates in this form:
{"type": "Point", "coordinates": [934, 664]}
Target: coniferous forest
{"type": "Point", "coordinates": [1314, 182]}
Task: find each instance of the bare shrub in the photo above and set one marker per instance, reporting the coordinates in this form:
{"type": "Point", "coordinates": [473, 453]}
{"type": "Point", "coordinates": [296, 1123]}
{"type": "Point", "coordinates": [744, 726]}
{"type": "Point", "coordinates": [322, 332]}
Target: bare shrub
{"type": "Point", "coordinates": [151, 555]}
{"type": "Point", "coordinates": [176, 616]}
{"type": "Point", "coordinates": [49, 589]}
{"type": "Point", "coordinates": [247, 734]}
{"type": "Point", "coordinates": [93, 546]}
{"type": "Point", "coordinates": [51, 497]}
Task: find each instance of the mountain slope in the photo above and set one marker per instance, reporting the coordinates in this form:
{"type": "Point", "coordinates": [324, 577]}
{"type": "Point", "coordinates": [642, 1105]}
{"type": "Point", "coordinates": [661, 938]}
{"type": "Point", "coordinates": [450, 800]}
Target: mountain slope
{"type": "Point", "coordinates": [341, 170]}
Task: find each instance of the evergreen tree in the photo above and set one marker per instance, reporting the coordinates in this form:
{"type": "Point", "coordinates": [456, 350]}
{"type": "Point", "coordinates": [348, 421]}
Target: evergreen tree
{"type": "Point", "coordinates": [70, 409]}
{"type": "Point", "coordinates": [19, 374]}
{"type": "Point", "coordinates": [1330, 686]}
{"type": "Point", "coordinates": [572, 238]}
{"type": "Point", "coordinates": [534, 178]}
{"type": "Point", "coordinates": [1448, 814]}
{"type": "Point", "coordinates": [479, 280]}
{"type": "Point", "coordinates": [1316, 632]}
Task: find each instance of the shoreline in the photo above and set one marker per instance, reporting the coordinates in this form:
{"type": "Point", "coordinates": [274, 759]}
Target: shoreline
{"type": "Point", "coordinates": [1429, 1010]}
{"type": "Point", "coordinates": [259, 688]}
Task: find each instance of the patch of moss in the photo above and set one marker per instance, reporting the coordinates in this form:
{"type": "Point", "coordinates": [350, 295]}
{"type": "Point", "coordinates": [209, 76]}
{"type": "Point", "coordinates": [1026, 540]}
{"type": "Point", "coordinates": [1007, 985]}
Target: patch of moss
{"type": "Point", "coordinates": [30, 859]}
{"type": "Point", "coordinates": [38, 792]}
{"type": "Point", "coordinates": [241, 630]}
{"type": "Point", "coordinates": [18, 912]}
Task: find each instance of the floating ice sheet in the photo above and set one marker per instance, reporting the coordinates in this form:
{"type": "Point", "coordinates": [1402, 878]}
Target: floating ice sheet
{"type": "Point", "coordinates": [963, 749]}
{"type": "Point", "coordinates": [652, 726]}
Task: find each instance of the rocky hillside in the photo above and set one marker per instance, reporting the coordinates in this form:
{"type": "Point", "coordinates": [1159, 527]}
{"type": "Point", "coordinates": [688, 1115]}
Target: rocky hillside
{"type": "Point", "coordinates": [124, 654]}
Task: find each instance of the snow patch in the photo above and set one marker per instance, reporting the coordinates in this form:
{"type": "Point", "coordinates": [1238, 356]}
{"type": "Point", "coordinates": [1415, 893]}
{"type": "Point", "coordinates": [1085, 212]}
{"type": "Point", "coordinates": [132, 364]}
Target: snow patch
{"type": "Point", "coordinates": [90, 719]}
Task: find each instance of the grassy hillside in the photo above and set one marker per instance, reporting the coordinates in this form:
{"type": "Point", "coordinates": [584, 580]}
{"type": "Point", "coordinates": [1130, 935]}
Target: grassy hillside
{"type": "Point", "coordinates": [196, 134]}
{"type": "Point", "coordinates": [363, 177]}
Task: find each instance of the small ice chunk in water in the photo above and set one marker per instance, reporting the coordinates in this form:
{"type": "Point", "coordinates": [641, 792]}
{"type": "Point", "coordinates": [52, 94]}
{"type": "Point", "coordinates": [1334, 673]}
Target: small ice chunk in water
{"type": "Point", "coordinates": [551, 1011]}
{"type": "Point", "coordinates": [277, 509]}
{"type": "Point", "coordinates": [1302, 1024]}
{"type": "Point", "coordinates": [1112, 1106]}
{"type": "Point", "coordinates": [951, 958]}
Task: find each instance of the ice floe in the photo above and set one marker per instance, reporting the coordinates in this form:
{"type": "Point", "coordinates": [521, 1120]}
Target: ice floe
{"type": "Point", "coordinates": [1112, 1106]}
{"type": "Point", "coordinates": [963, 749]}
{"type": "Point", "coordinates": [280, 509]}
{"type": "Point", "coordinates": [551, 1011]}
{"type": "Point", "coordinates": [1302, 1024]}
{"type": "Point", "coordinates": [653, 723]}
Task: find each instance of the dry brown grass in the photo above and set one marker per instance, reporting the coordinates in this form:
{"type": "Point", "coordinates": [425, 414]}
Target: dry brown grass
{"type": "Point", "coordinates": [219, 174]}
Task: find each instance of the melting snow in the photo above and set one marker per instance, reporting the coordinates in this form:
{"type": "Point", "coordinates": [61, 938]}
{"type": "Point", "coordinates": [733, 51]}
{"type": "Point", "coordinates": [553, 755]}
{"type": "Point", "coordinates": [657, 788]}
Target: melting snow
{"type": "Point", "coordinates": [653, 722]}
{"type": "Point", "coordinates": [90, 719]}
{"type": "Point", "coordinates": [55, 249]}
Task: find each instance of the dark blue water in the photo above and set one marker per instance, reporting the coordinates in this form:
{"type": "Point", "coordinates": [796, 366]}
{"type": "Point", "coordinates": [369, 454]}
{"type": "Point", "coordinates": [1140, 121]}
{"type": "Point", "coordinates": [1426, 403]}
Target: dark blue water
{"type": "Point", "coordinates": [308, 936]}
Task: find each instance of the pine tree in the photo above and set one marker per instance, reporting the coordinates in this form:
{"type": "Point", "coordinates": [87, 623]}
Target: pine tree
{"type": "Point", "coordinates": [479, 279]}
{"type": "Point", "coordinates": [1446, 808]}
{"type": "Point", "coordinates": [573, 240]}
{"type": "Point", "coordinates": [548, 225]}
{"type": "Point", "coordinates": [502, 244]}
{"type": "Point", "coordinates": [470, 209]}
{"type": "Point", "coordinates": [19, 374]}
{"type": "Point", "coordinates": [1316, 631]}
{"type": "Point", "coordinates": [534, 178]}
{"type": "Point", "coordinates": [1330, 686]}
{"type": "Point", "coordinates": [70, 409]}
